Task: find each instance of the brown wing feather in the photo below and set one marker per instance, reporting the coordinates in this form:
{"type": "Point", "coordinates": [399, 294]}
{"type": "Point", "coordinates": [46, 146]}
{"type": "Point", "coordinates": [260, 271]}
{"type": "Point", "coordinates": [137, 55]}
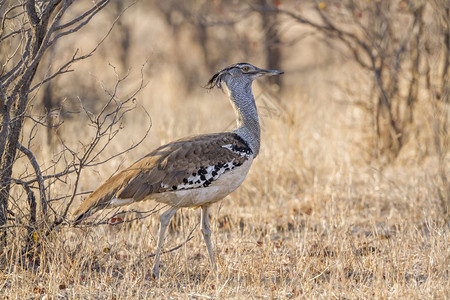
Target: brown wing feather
{"type": "Point", "coordinates": [163, 168]}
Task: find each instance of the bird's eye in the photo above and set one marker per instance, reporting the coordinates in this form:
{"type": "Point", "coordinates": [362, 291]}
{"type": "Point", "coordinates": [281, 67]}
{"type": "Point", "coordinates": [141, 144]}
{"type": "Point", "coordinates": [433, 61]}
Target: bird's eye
{"type": "Point", "coordinates": [245, 69]}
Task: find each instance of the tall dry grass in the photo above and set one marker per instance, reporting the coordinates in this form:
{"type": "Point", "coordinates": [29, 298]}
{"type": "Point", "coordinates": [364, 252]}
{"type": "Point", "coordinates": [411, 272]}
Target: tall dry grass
{"type": "Point", "coordinates": [319, 216]}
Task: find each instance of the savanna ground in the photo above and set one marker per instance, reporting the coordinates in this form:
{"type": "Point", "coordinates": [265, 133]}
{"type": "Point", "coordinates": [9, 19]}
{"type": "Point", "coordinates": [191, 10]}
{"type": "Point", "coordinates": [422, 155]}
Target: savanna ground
{"type": "Point", "coordinates": [322, 214]}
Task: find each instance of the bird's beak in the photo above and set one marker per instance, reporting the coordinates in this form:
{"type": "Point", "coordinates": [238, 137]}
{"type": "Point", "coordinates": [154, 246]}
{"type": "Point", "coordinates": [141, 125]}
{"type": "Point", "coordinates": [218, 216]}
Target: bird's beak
{"type": "Point", "coordinates": [263, 72]}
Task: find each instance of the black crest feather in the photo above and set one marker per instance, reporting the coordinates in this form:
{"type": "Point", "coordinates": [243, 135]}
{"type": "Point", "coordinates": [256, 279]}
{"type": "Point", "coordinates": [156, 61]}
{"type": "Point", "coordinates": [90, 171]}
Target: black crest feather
{"type": "Point", "coordinates": [215, 81]}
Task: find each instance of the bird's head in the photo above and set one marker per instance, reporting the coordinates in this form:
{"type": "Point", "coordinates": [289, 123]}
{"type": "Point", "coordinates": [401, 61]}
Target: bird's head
{"type": "Point", "coordinates": [239, 73]}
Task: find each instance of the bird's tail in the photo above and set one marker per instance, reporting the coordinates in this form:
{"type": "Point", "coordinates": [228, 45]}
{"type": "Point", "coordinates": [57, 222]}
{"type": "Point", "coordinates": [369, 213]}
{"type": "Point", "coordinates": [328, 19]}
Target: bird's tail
{"type": "Point", "coordinates": [81, 214]}
{"type": "Point", "coordinates": [100, 198]}
{"type": "Point", "coordinates": [89, 206]}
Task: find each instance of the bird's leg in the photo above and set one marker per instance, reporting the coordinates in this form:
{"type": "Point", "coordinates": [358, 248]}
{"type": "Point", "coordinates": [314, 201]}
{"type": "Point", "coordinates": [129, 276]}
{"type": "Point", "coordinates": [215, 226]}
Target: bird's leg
{"type": "Point", "coordinates": [206, 230]}
{"type": "Point", "coordinates": [164, 221]}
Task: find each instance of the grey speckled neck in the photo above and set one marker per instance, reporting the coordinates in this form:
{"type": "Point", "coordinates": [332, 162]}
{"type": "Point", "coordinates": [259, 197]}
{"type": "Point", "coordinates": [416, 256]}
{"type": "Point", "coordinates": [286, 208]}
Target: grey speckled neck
{"type": "Point", "coordinates": [243, 102]}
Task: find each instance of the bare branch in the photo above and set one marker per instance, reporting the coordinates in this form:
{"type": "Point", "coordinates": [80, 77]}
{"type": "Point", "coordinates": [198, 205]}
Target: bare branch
{"type": "Point", "coordinates": [5, 17]}
{"type": "Point", "coordinates": [39, 178]}
{"type": "Point", "coordinates": [65, 67]}
{"type": "Point", "coordinates": [62, 69]}
{"type": "Point", "coordinates": [105, 219]}
{"type": "Point", "coordinates": [31, 28]}
{"type": "Point", "coordinates": [17, 70]}
{"type": "Point", "coordinates": [31, 12]}
{"type": "Point", "coordinates": [91, 13]}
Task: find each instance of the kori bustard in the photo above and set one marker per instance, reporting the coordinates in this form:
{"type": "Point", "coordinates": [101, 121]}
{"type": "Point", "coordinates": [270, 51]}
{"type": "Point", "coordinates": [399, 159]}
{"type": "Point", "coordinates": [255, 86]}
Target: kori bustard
{"type": "Point", "coordinates": [195, 171]}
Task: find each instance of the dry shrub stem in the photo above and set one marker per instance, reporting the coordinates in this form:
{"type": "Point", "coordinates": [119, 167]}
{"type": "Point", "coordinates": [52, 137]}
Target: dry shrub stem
{"type": "Point", "coordinates": [36, 33]}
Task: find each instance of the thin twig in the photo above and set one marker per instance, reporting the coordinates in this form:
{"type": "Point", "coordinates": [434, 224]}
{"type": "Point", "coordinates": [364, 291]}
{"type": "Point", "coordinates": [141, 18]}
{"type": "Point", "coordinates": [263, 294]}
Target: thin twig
{"type": "Point", "coordinates": [190, 237]}
{"type": "Point", "coordinates": [39, 178]}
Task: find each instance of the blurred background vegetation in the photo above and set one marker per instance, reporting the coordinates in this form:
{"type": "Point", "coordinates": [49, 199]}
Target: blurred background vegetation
{"type": "Point", "coordinates": [366, 86]}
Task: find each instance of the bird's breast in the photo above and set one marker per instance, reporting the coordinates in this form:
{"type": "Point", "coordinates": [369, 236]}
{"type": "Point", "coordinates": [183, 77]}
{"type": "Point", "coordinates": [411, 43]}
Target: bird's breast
{"type": "Point", "coordinates": [214, 192]}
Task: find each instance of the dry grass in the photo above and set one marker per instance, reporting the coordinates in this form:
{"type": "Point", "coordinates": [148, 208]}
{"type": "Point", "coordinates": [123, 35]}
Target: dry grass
{"type": "Point", "coordinates": [300, 226]}
{"type": "Point", "coordinates": [312, 220]}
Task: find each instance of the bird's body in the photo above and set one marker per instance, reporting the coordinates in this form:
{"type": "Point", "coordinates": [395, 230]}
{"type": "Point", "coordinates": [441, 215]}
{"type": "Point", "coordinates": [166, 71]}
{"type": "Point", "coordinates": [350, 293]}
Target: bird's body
{"type": "Point", "coordinates": [195, 171]}
{"type": "Point", "coordinates": [190, 172]}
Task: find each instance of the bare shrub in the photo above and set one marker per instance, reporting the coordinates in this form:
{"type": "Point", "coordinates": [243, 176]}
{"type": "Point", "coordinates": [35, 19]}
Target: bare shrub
{"type": "Point", "coordinates": [404, 45]}
{"type": "Point", "coordinates": [391, 40]}
{"type": "Point", "coordinates": [32, 28]}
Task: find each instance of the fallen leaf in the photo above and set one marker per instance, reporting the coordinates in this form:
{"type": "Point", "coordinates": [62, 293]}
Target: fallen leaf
{"type": "Point", "coordinates": [35, 237]}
